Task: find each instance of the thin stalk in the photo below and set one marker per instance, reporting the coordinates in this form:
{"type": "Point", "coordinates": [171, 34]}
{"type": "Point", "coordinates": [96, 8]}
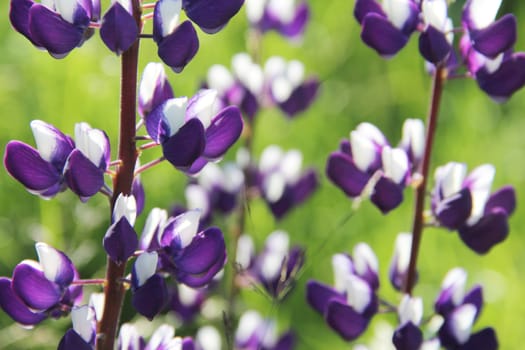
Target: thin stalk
{"type": "Point", "coordinates": [114, 289]}
{"type": "Point", "coordinates": [418, 219]}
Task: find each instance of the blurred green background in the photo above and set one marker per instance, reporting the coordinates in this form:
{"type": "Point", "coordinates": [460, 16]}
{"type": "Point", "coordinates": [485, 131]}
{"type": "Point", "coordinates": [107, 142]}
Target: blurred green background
{"type": "Point", "coordinates": [357, 86]}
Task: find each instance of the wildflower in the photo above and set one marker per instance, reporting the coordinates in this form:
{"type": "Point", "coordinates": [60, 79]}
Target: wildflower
{"type": "Point", "coordinates": [254, 333]}
{"type": "Point", "coordinates": [83, 334]}
{"type": "Point", "coordinates": [120, 241]}
{"type": "Point", "coordinates": [162, 338]}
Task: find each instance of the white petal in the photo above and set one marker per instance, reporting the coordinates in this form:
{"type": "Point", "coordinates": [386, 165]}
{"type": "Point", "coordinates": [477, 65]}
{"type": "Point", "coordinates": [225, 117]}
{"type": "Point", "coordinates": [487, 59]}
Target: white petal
{"type": "Point", "coordinates": [255, 10]}
{"type": "Point", "coordinates": [209, 338]}
{"type": "Point", "coordinates": [156, 219]}
{"type": "Point", "coordinates": [358, 293]}
{"type": "Point", "coordinates": [50, 259]}
{"type": "Point", "coordinates": [410, 309]}
{"type": "Point", "coordinates": [187, 225]}
{"type": "Point", "coordinates": [83, 322]}
{"type": "Point", "coordinates": [291, 166]}
{"type": "Point", "coordinates": [402, 249]}
{"type": "Point", "coordinates": [203, 106]}
{"type": "Point", "coordinates": [462, 320]}
{"type": "Point", "coordinates": [343, 267]}
{"type": "Point", "coordinates": [248, 324]}
{"type": "Point", "coordinates": [125, 206]}
{"type": "Point", "coordinates": [170, 12]}
{"type": "Point", "coordinates": [162, 337]}
{"type": "Point", "coordinates": [397, 11]}
{"type": "Point", "coordinates": [295, 72]}
{"type": "Point", "coordinates": [435, 13]}
{"type": "Point", "coordinates": [364, 259]}
{"type": "Point", "coordinates": [152, 75]}
{"type": "Point", "coordinates": [96, 301]}
{"type": "Point", "coordinates": [282, 89]}
{"type": "Point", "coordinates": [91, 142]}
{"type": "Point", "coordinates": [145, 266]}
{"type": "Point", "coordinates": [175, 113]}
{"type": "Point", "coordinates": [197, 198]}
{"type": "Point", "coordinates": [274, 66]}
{"type": "Point", "coordinates": [245, 251]}
{"type": "Point", "coordinates": [270, 158]}
{"type": "Point", "coordinates": [493, 65]}
{"type": "Point", "coordinates": [450, 178]}
{"type": "Point", "coordinates": [284, 9]}
{"type": "Point", "coordinates": [273, 186]}
{"type": "Point", "coordinates": [479, 182]}
{"type": "Point", "coordinates": [128, 337]}
{"type": "Point", "coordinates": [456, 280]}
{"type": "Point", "coordinates": [45, 138]}
{"type": "Point", "coordinates": [188, 296]}
{"type": "Point", "coordinates": [219, 78]}
{"type": "Point", "coordinates": [483, 12]}
{"type": "Point", "coordinates": [414, 137]}
{"type": "Point", "coordinates": [66, 9]}
{"type": "Point", "coordinates": [395, 164]}
{"type": "Point", "coordinates": [249, 73]}
{"type": "Point", "coordinates": [233, 178]}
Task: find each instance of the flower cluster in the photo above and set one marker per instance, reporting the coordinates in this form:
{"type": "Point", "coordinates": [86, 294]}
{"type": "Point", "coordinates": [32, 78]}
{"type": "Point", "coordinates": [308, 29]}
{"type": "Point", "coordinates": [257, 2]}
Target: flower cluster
{"type": "Point", "coordinates": [366, 164]}
{"type": "Point", "coordinates": [486, 44]}
{"type": "Point", "coordinates": [61, 26]}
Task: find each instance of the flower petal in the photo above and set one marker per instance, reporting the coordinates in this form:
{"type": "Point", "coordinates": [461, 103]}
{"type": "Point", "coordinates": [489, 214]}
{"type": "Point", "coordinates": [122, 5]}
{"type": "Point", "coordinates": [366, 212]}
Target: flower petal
{"type": "Point", "coordinates": [454, 210]}
{"type": "Point", "coordinates": [224, 130]}
{"type": "Point", "coordinates": [73, 341]}
{"type": "Point", "coordinates": [15, 308]}
{"type": "Point", "coordinates": [433, 45]}
{"type": "Point", "coordinates": [483, 340]}
{"type": "Point", "coordinates": [211, 15]}
{"type": "Point", "coordinates": [118, 29]}
{"type": "Point", "coordinates": [19, 17]}
{"type": "Point", "coordinates": [296, 27]}
{"type": "Point", "coordinates": [183, 148]}
{"type": "Point", "coordinates": [504, 198]}
{"type": "Point", "coordinates": [52, 32]}
{"type": "Point", "coordinates": [178, 48]}
{"type": "Point", "coordinates": [348, 323]}
{"type": "Point", "coordinates": [345, 174]}
{"type": "Point", "coordinates": [509, 78]}
{"type": "Point", "coordinates": [56, 265]}
{"type": "Point", "coordinates": [82, 176]}
{"type": "Point", "coordinates": [151, 297]}
{"type": "Point", "coordinates": [490, 230]}
{"type": "Point", "coordinates": [30, 284]}
{"type": "Point", "coordinates": [381, 35]}
{"type": "Point", "coordinates": [387, 195]}
{"type": "Point", "coordinates": [496, 38]}
{"type": "Point", "coordinates": [120, 241]}
{"type": "Point", "coordinates": [408, 337]}
{"type": "Point", "coordinates": [301, 98]}
{"type": "Point", "coordinates": [319, 295]}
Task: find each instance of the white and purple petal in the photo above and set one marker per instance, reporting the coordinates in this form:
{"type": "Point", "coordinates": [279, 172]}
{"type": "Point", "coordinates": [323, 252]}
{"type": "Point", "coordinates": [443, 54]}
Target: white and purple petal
{"type": "Point", "coordinates": [504, 198]}
{"type": "Point", "coordinates": [83, 177]}
{"type": "Point", "coordinates": [318, 295]}
{"type": "Point", "coordinates": [490, 230]}
{"type": "Point", "coordinates": [343, 172]}
{"type": "Point", "coordinates": [387, 195]}
{"type": "Point", "coordinates": [300, 98]}
{"type": "Point", "coordinates": [499, 37]}
{"type": "Point", "coordinates": [347, 322]}
{"type": "Point", "coordinates": [178, 48]}
{"type": "Point", "coordinates": [120, 241]}
{"type": "Point", "coordinates": [399, 264]}
{"type": "Point", "coordinates": [224, 130]}
{"type": "Point", "coordinates": [73, 341]}
{"type": "Point", "coordinates": [154, 88]}
{"type": "Point", "coordinates": [151, 297]}
{"type": "Point", "coordinates": [119, 29]}
{"type": "Point", "coordinates": [434, 45]}
{"type": "Point", "coordinates": [183, 148]}
{"type": "Point", "coordinates": [506, 80]}
{"type": "Point", "coordinates": [382, 36]}
{"type": "Point", "coordinates": [56, 265]}
{"type": "Point", "coordinates": [53, 146]}
{"type": "Point", "coordinates": [453, 211]}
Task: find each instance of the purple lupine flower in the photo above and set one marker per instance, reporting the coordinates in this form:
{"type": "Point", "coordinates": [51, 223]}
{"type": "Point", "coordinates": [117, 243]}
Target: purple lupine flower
{"type": "Point", "coordinates": [163, 338]}
{"type": "Point", "coordinates": [192, 132]}
{"type": "Point", "coordinates": [387, 26]}
{"type": "Point", "coordinates": [276, 267]}
{"type": "Point", "coordinates": [119, 29]}
{"type": "Point", "coordinates": [255, 333]}
{"type": "Point", "coordinates": [120, 240]}
{"type": "Point", "coordinates": [40, 170]}
{"type": "Point", "coordinates": [216, 189]}
{"type": "Point", "coordinates": [401, 258]}
{"type": "Point", "coordinates": [83, 334]}
{"type": "Point", "coordinates": [87, 163]}
{"type": "Point", "coordinates": [464, 203]}
{"type": "Point", "coordinates": [460, 310]}
{"type": "Point", "coordinates": [348, 306]}
{"type": "Point", "coordinates": [435, 41]}
{"type": "Point", "coordinates": [154, 88]}
{"type": "Point", "coordinates": [287, 17]}
{"type": "Point", "coordinates": [38, 290]}
{"type": "Point", "coordinates": [366, 165]}
{"type": "Point", "coordinates": [281, 182]}
{"type": "Point", "coordinates": [408, 336]}
{"type": "Point", "coordinates": [56, 26]}
{"type": "Point", "coordinates": [287, 86]}
{"type": "Point", "coordinates": [192, 257]}
{"type": "Point", "coordinates": [186, 302]}
{"type": "Point", "coordinates": [150, 293]}
{"type": "Point", "coordinates": [487, 48]}
{"type": "Point", "coordinates": [178, 43]}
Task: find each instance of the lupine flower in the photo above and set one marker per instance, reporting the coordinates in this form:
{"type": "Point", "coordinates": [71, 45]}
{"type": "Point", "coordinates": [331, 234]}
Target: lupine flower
{"type": "Point", "coordinates": [487, 47]}
{"type": "Point", "coordinates": [464, 203]}
{"type": "Point", "coordinates": [186, 302]}
{"type": "Point", "coordinates": [154, 88]}
{"type": "Point", "coordinates": [192, 132]}
{"type": "Point", "coordinates": [400, 260]}
{"type": "Point", "coordinates": [255, 333]}
{"type": "Point", "coordinates": [119, 29]}
{"type": "Point", "coordinates": [83, 334]}
{"type": "Point", "coordinates": [435, 41]}
{"type": "Point", "coordinates": [387, 26]}
{"type": "Point", "coordinates": [276, 267]}
{"type": "Point", "coordinates": [120, 241]}
{"type": "Point", "coordinates": [284, 16]}
{"type": "Point", "coordinates": [281, 182]}
{"type": "Point", "coordinates": [287, 86]}
{"type": "Point", "coordinates": [408, 336]}
{"type": "Point", "coordinates": [366, 163]}
{"type": "Point", "coordinates": [348, 306]}
{"type": "Point", "coordinates": [56, 26]}
{"type": "Point", "coordinates": [162, 338]}
{"type": "Point", "coordinates": [42, 289]}
{"type": "Point", "coordinates": [178, 43]}
{"type": "Point", "coordinates": [207, 338]}
{"type": "Point", "coordinates": [40, 170]}
{"type": "Point", "coordinates": [460, 310]}
{"type": "Point", "coordinates": [216, 189]}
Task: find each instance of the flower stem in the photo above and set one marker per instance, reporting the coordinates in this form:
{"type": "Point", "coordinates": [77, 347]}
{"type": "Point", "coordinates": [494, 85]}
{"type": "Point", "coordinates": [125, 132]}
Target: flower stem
{"type": "Point", "coordinates": [114, 290]}
{"type": "Point", "coordinates": [418, 220]}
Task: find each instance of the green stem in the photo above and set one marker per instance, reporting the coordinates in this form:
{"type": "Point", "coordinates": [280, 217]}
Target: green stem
{"type": "Point", "coordinates": [418, 219]}
{"type": "Point", "coordinates": [114, 289]}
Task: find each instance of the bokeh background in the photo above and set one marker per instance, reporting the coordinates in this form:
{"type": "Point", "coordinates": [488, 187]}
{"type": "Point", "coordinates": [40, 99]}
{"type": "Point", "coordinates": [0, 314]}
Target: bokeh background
{"type": "Point", "coordinates": [357, 86]}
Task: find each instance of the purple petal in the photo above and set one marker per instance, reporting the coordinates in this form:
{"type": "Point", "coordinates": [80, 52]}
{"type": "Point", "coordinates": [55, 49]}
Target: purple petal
{"type": "Point", "coordinates": [188, 344]}
{"type": "Point", "coordinates": [30, 284]}
{"type": "Point", "coordinates": [119, 29]}
{"type": "Point", "coordinates": [19, 17]}
{"type": "Point", "coordinates": [211, 15]}
{"type": "Point", "coordinates": [319, 295]}
{"type": "Point", "coordinates": [365, 7]}
{"type": "Point", "coordinates": [490, 230]}
{"type": "Point", "coordinates": [509, 78]}
{"type": "Point", "coordinates": [296, 27]}
{"type": "Point", "coordinates": [25, 164]}
{"type": "Point", "coordinates": [56, 265]}
{"type": "Point", "coordinates": [433, 45]}
{"type": "Point", "coordinates": [52, 144]}
{"type": "Point", "coordinates": [504, 198]}
{"type": "Point", "coordinates": [52, 32]}
{"type": "Point", "coordinates": [73, 341]}
{"type": "Point", "coordinates": [408, 337]}
{"type": "Point", "coordinates": [301, 98]}
{"type": "Point", "coordinates": [483, 340]}
{"type": "Point", "coordinates": [197, 166]}
{"type": "Point", "coordinates": [496, 38]}
{"type": "Point", "coordinates": [345, 174]}
{"type": "Point", "coordinates": [178, 48]}
{"type": "Point", "coordinates": [348, 323]}
{"type": "Point", "coordinates": [120, 241]}
{"type": "Point", "coordinates": [475, 297]}
{"type": "Point", "coordinates": [381, 35]}
{"type": "Point", "coordinates": [183, 148]}
{"type": "Point", "coordinates": [224, 130]}
{"type": "Point", "coordinates": [454, 211]}
{"type": "Point", "coordinates": [151, 297]}
{"type": "Point", "coordinates": [82, 176]}
{"type": "Point", "coordinates": [137, 190]}
{"type": "Point", "coordinates": [154, 88]}
{"type": "Point", "coordinates": [15, 308]}
{"type": "Point", "coordinates": [387, 195]}
{"type": "Point", "coordinates": [286, 342]}
{"type": "Point", "coordinates": [202, 259]}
